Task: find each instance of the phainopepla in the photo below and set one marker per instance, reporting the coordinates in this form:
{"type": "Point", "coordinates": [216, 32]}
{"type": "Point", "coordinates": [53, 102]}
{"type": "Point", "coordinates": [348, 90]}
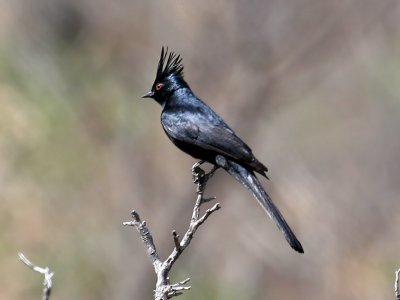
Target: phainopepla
{"type": "Point", "coordinates": [197, 130]}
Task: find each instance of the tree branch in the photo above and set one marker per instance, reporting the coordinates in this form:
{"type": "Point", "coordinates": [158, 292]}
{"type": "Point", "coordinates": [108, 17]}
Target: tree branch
{"type": "Point", "coordinates": [164, 290]}
{"type": "Point", "coordinates": [47, 283]}
{"type": "Point", "coordinates": [396, 285]}
{"type": "Point", "coordinates": [146, 237]}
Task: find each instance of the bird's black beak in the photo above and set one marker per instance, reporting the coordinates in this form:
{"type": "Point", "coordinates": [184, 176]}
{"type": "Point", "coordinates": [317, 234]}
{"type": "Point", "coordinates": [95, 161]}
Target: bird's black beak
{"type": "Point", "coordinates": [148, 95]}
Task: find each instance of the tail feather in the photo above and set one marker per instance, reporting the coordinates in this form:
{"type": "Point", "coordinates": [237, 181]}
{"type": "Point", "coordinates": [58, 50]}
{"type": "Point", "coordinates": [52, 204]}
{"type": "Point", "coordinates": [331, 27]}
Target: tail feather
{"type": "Point", "coordinates": [249, 180]}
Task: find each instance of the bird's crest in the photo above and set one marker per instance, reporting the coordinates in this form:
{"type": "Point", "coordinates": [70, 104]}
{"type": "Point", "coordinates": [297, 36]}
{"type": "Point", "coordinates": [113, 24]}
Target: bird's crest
{"type": "Point", "coordinates": [169, 64]}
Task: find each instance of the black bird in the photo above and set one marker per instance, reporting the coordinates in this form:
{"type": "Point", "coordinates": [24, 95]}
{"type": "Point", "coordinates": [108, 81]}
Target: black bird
{"type": "Point", "coordinates": [197, 130]}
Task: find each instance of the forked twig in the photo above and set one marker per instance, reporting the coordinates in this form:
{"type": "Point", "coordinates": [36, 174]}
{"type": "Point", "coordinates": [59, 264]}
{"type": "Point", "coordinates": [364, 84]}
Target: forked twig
{"type": "Point", "coordinates": [164, 289]}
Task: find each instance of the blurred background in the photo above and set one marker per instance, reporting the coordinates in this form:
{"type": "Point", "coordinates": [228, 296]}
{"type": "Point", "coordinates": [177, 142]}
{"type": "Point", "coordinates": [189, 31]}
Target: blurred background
{"type": "Point", "coordinates": [313, 87]}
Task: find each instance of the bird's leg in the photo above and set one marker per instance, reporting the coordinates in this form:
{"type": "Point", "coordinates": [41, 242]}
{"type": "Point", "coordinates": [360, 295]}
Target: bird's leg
{"type": "Point", "coordinates": [198, 173]}
{"type": "Point", "coordinates": [197, 165]}
{"type": "Point", "coordinates": [211, 173]}
{"type": "Point", "coordinates": [200, 177]}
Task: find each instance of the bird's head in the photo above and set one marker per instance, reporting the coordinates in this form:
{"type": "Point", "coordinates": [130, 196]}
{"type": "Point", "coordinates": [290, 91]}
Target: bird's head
{"type": "Point", "coordinates": [169, 77]}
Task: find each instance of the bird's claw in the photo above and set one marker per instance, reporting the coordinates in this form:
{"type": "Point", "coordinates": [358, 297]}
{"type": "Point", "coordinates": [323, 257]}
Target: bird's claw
{"type": "Point", "coordinates": [200, 177]}
{"type": "Point", "coordinates": [197, 172]}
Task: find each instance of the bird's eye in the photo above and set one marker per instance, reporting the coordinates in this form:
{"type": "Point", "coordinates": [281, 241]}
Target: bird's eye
{"type": "Point", "coordinates": [159, 86]}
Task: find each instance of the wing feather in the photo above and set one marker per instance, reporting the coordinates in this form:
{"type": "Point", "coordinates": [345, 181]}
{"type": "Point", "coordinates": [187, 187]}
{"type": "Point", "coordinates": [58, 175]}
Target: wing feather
{"type": "Point", "coordinates": [210, 136]}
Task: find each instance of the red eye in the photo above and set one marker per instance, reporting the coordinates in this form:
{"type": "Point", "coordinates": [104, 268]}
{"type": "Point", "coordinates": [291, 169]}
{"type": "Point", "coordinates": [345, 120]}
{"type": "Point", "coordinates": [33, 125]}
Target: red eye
{"type": "Point", "coordinates": [159, 86]}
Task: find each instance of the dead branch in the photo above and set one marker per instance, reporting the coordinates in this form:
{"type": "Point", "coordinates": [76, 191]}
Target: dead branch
{"type": "Point", "coordinates": [164, 289]}
{"type": "Point", "coordinates": [47, 283]}
{"type": "Point", "coordinates": [396, 285]}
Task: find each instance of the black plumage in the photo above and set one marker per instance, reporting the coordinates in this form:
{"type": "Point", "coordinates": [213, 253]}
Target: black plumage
{"type": "Point", "coordinates": [197, 130]}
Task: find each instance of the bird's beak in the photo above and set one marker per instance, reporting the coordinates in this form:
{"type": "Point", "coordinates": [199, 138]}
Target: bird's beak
{"type": "Point", "coordinates": [148, 95]}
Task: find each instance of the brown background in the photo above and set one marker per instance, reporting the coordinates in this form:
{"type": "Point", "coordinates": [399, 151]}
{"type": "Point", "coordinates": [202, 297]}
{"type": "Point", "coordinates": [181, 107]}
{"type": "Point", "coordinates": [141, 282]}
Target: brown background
{"type": "Point", "coordinates": [313, 86]}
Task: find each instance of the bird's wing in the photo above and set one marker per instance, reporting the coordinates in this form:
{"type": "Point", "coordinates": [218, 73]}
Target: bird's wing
{"type": "Point", "coordinates": [194, 129]}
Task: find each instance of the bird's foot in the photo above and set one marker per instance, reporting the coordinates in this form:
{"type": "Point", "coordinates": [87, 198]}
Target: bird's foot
{"type": "Point", "coordinates": [200, 177]}
{"type": "Point", "coordinates": [197, 172]}
{"type": "Point", "coordinates": [197, 165]}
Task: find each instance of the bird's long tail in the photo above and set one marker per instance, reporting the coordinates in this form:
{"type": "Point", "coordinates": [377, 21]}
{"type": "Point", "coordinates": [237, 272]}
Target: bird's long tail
{"type": "Point", "coordinates": [249, 180]}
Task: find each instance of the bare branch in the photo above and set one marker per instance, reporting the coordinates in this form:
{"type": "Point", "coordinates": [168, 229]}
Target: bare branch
{"type": "Point", "coordinates": [396, 285]}
{"type": "Point", "coordinates": [147, 239]}
{"type": "Point", "coordinates": [47, 283]}
{"type": "Point", "coordinates": [177, 289]}
{"type": "Point", "coordinates": [176, 240]}
{"type": "Point", "coordinates": [164, 290]}
{"type": "Point", "coordinates": [207, 214]}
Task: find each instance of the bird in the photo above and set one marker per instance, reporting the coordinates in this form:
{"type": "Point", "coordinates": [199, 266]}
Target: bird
{"type": "Point", "coordinates": [200, 132]}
